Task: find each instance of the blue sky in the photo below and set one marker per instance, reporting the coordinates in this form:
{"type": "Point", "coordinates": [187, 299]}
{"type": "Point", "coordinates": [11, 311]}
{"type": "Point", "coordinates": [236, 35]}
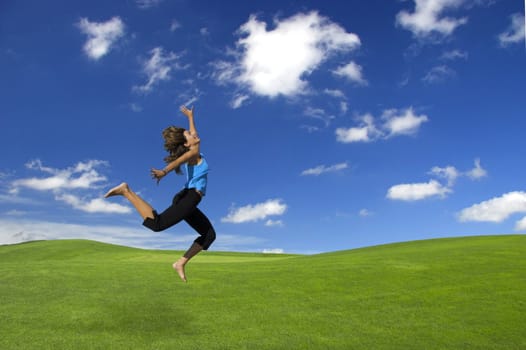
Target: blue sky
{"type": "Point", "coordinates": [328, 125]}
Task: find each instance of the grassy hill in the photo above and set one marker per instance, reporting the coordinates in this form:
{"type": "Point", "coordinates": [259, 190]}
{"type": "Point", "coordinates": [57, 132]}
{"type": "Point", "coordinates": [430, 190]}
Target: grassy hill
{"type": "Point", "coordinates": [459, 293]}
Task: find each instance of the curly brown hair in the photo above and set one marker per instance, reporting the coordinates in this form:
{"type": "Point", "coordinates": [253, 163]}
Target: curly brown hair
{"type": "Point", "coordinates": [174, 141]}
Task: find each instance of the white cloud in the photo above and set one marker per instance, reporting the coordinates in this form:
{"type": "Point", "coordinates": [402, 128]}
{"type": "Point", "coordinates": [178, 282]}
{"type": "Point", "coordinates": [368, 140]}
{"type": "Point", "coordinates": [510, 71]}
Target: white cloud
{"type": "Point", "coordinates": [428, 19]}
{"type": "Point", "coordinates": [417, 191]}
{"type": "Point", "coordinates": [277, 61]}
{"type": "Point", "coordinates": [396, 122]}
{"type": "Point", "coordinates": [366, 132]}
{"type": "Point", "coordinates": [404, 122]}
{"type": "Point", "coordinates": [351, 71]}
{"type": "Point", "coordinates": [515, 32]}
{"type": "Point", "coordinates": [83, 175]}
{"type": "Point", "coordinates": [157, 68]}
{"type": "Point", "coordinates": [255, 212]}
{"type": "Point", "coordinates": [101, 36]}
{"type": "Point", "coordinates": [95, 205]}
{"type": "Point", "coordinates": [348, 135]}
{"type": "Point", "coordinates": [66, 185]}
{"type": "Point", "coordinates": [477, 172]}
{"type": "Point", "coordinates": [322, 169]}
{"type": "Point", "coordinates": [450, 173]}
{"type": "Point", "coordinates": [521, 225]}
{"type": "Point", "coordinates": [496, 209]}
{"type": "Point", "coordinates": [439, 74]}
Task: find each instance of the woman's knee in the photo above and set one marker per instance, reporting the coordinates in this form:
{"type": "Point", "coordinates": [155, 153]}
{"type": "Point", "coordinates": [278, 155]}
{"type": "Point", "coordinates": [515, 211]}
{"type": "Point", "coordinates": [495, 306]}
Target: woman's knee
{"type": "Point", "coordinates": [154, 224]}
{"type": "Point", "coordinates": [207, 238]}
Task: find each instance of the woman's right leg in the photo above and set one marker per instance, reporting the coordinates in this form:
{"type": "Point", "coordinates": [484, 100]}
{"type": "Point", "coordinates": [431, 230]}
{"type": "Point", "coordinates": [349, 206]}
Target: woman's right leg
{"type": "Point", "coordinates": [199, 222]}
{"type": "Point", "coordinates": [144, 209]}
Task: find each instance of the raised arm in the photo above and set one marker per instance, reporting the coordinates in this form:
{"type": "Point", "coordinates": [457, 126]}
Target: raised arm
{"type": "Point", "coordinates": [193, 148]}
{"type": "Point", "coordinates": [190, 115]}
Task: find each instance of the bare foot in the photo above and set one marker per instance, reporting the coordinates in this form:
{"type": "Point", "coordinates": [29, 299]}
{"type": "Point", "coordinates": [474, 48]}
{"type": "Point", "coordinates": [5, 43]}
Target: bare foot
{"type": "Point", "coordinates": [117, 190]}
{"type": "Point", "coordinates": [179, 267]}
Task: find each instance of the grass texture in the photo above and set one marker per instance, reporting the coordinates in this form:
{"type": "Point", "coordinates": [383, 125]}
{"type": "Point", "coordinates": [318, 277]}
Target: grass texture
{"type": "Point", "coordinates": [458, 293]}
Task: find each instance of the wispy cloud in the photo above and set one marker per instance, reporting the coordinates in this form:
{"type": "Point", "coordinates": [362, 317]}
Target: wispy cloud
{"type": "Point", "coordinates": [158, 68]}
{"type": "Point", "coordinates": [439, 74]}
{"type": "Point", "coordinates": [454, 55]}
{"type": "Point", "coordinates": [427, 19]}
{"type": "Point", "coordinates": [256, 212]}
{"type": "Point", "coordinates": [273, 251]}
{"type": "Point", "coordinates": [278, 61]}
{"type": "Point", "coordinates": [335, 93]}
{"type": "Point", "coordinates": [146, 4]}
{"type": "Point", "coordinates": [322, 169]}
{"type": "Point", "coordinates": [175, 25]}
{"type": "Point", "coordinates": [16, 231]}
{"type": "Point", "coordinates": [395, 123]}
{"type": "Point", "coordinates": [319, 114]}
{"type": "Point", "coordinates": [102, 36]}
{"type": "Point", "coordinates": [449, 173]}
{"type": "Point", "coordinates": [135, 107]}
{"type": "Point", "coordinates": [271, 223]}
{"type": "Point", "coordinates": [239, 100]}
{"type": "Point", "coordinates": [515, 33]}
{"type": "Point", "coordinates": [365, 213]}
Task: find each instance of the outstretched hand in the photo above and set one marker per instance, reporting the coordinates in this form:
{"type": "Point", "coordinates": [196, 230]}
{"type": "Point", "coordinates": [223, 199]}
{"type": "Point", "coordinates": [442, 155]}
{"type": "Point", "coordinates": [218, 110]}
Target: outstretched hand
{"type": "Point", "coordinates": [189, 112]}
{"type": "Point", "coordinates": [157, 174]}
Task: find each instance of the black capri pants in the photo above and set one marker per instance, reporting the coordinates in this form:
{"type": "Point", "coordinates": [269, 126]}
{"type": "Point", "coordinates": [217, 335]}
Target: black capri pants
{"type": "Point", "coordinates": [184, 207]}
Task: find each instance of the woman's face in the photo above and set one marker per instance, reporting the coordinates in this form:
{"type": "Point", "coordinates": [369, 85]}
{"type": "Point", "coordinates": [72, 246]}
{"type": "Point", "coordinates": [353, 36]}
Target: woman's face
{"type": "Point", "coordinates": [190, 139]}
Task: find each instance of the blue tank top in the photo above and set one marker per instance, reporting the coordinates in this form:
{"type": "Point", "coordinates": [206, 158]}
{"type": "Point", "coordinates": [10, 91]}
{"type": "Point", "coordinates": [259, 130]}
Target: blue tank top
{"type": "Point", "coordinates": [197, 175]}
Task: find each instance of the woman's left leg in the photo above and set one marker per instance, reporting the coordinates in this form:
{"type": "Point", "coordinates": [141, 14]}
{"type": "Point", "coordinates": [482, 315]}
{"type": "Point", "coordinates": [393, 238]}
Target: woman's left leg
{"type": "Point", "coordinates": [144, 209]}
{"type": "Point", "coordinates": [183, 204]}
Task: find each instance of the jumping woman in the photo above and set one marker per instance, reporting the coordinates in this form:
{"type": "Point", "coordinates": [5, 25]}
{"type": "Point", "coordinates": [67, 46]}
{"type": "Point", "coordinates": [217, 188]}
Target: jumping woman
{"type": "Point", "coordinates": [183, 148]}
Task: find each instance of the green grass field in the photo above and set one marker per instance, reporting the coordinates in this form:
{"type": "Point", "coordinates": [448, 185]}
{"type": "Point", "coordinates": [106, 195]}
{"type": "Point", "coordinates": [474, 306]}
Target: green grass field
{"type": "Point", "coordinates": [459, 293]}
